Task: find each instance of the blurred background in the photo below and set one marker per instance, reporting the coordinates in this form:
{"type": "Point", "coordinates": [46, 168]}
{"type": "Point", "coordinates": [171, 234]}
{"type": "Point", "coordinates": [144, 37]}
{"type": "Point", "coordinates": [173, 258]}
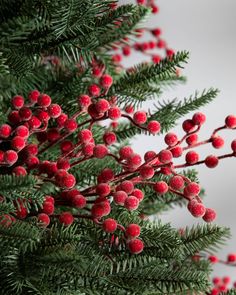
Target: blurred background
{"type": "Point", "coordinates": [207, 29]}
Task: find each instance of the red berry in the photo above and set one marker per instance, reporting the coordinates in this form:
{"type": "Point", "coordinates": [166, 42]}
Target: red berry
{"type": "Point", "coordinates": [188, 126]}
{"type": "Point", "coordinates": [125, 152]}
{"type": "Point", "coordinates": [133, 231]}
{"type": "Point", "coordinates": [150, 155]}
{"type": "Point", "coordinates": [54, 110]}
{"type": "Point", "coordinates": [94, 90]}
{"type": "Point", "coordinates": [131, 203]}
{"type": "Point", "coordinates": [109, 138]}
{"type": "Point", "coordinates": [120, 197]}
{"type": "Point", "coordinates": [78, 201]}
{"type": "Point", "coordinates": [66, 146]}
{"type": "Point", "coordinates": [199, 118]}
{"type": "Point", "coordinates": [138, 194]}
{"type": "Point", "coordinates": [33, 96]}
{"type": "Point", "coordinates": [70, 125]}
{"type": "Point", "coordinates": [22, 131]}
{"type": "Point", "coordinates": [134, 161]}
{"type": "Point", "coordinates": [100, 151]}
{"type": "Point", "coordinates": [191, 157]}
{"type": "Point", "coordinates": [192, 139]}
{"type": "Point", "coordinates": [48, 208]}
{"type": "Point", "coordinates": [176, 182]}
{"type": "Point", "coordinates": [156, 32]}
{"type": "Point", "coordinates": [161, 44]}
{"type": "Point", "coordinates": [155, 9]}
{"type": "Point", "coordinates": [1, 156]}
{"type": "Point", "coordinates": [114, 113]}
{"type": "Point", "coordinates": [25, 114]}
{"type": "Point", "coordinates": [63, 163]}
{"type": "Point", "coordinates": [68, 181]}
{"type": "Point", "coordinates": [154, 127]}
{"type": "Point", "coordinates": [141, 2]}
{"type": "Point", "coordinates": [135, 246]}
{"type": "Point", "coordinates": [109, 225]}
{"type": "Point", "coordinates": [233, 145]}
{"type": "Point", "coordinates": [17, 143]}
{"type": "Point", "coordinates": [116, 58]}
{"type": "Point", "coordinates": [31, 149]}
{"type": "Point", "coordinates": [85, 135]}
{"type": "Point", "coordinates": [106, 175]}
{"type": "Point", "coordinates": [216, 281]}
{"type": "Point", "coordinates": [165, 156]}
{"type": "Point", "coordinates": [14, 117]}
{"type": "Point", "coordinates": [231, 258]}
{"type": "Point", "coordinates": [127, 186]}
{"type": "Point", "coordinates": [140, 117]}
{"type": "Point", "coordinates": [156, 59]}
{"type": "Point", "coordinates": [10, 157]}
{"type": "Point", "coordinates": [226, 280]}
{"type": "Point", "coordinates": [211, 161]}
{"type": "Point", "coordinates": [161, 187]}
{"type": "Point", "coordinates": [147, 172]}
{"type": "Point", "coordinates": [84, 100]}
{"type": "Point", "coordinates": [198, 210]}
{"type": "Point", "coordinates": [21, 212]}
{"type": "Point", "coordinates": [126, 50]}
{"type": "Point", "coordinates": [19, 170]}
{"type": "Point", "coordinates": [49, 199]}
{"type": "Point", "coordinates": [34, 122]}
{"type": "Point", "coordinates": [43, 116]}
{"type": "Point", "coordinates": [43, 219]}
{"type": "Point", "coordinates": [106, 81]}
{"type": "Point", "coordinates": [129, 109]}
{"type": "Point", "coordinates": [171, 139]}
{"type": "Point", "coordinates": [5, 131]}
{"type": "Point", "coordinates": [217, 142]}
{"type": "Point", "coordinates": [192, 189]}
{"type": "Point", "coordinates": [44, 100]}
{"type": "Point", "coordinates": [87, 149]}
{"type": "Point", "coordinates": [210, 215]}
{"type": "Point", "coordinates": [66, 218]}
{"type": "Point", "coordinates": [61, 120]}
{"type": "Point", "coordinates": [230, 121]}
{"type": "Point", "coordinates": [103, 189]}
{"type": "Point", "coordinates": [53, 134]}
{"type": "Point", "coordinates": [17, 101]}
{"type": "Point", "coordinates": [176, 151]}
{"type": "Point", "coordinates": [213, 259]}
{"type": "Point", "coordinates": [92, 111]}
{"type": "Point", "coordinates": [32, 162]}
{"type": "Point", "coordinates": [102, 105]}
{"type": "Point", "coordinates": [100, 209]}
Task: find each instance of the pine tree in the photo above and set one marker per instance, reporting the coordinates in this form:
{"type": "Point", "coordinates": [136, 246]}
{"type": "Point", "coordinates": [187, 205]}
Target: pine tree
{"type": "Point", "coordinates": [65, 174]}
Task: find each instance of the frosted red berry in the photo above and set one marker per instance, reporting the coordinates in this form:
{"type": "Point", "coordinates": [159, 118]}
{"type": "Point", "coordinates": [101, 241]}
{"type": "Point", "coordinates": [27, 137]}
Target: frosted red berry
{"type": "Point", "coordinates": [66, 146]}
{"type": "Point", "coordinates": [192, 139]}
{"type": "Point", "coordinates": [44, 100]}
{"type": "Point", "coordinates": [53, 134]}
{"type": "Point", "coordinates": [84, 100]}
{"type": "Point", "coordinates": [87, 149]}
{"type": "Point", "coordinates": [125, 152]}
{"type": "Point", "coordinates": [63, 163]}
{"type": "Point", "coordinates": [44, 219]}
{"type": "Point", "coordinates": [154, 127]}
{"type": "Point", "coordinates": [71, 125]}
{"type": "Point", "coordinates": [43, 115]}
{"type": "Point", "coordinates": [17, 101]}
{"type": "Point", "coordinates": [230, 121]}
{"type": "Point", "coordinates": [109, 138]}
{"type": "Point", "coordinates": [10, 157]}
{"type": "Point", "coordinates": [140, 117]}
{"type": "Point", "coordinates": [131, 203]}
{"type": "Point", "coordinates": [233, 145]}
{"type": "Point", "coordinates": [32, 162]}
{"type": "Point", "coordinates": [54, 110]}
{"type": "Point", "coordinates": [150, 155]}
{"type": "Point", "coordinates": [213, 259]}
{"type": "Point", "coordinates": [14, 117]}
{"type": "Point", "coordinates": [156, 32]}
{"type": "Point", "coordinates": [25, 114]}
{"type": "Point", "coordinates": [198, 210]}
{"type": "Point", "coordinates": [210, 215]}
{"type": "Point", "coordinates": [147, 172]}
{"type": "Point", "coordinates": [106, 175]}
{"type": "Point", "coordinates": [188, 126]}
{"type": "Point", "coordinates": [109, 225]}
{"type": "Point", "coordinates": [18, 143]}
{"type": "Point", "coordinates": [211, 161]}
{"type": "Point", "coordinates": [120, 197]}
{"type": "Point", "coordinates": [133, 231]}
{"type": "Point", "coordinates": [34, 122]}
{"type": "Point", "coordinates": [33, 96]}
{"type": "Point", "coordinates": [19, 170]}
{"type": "Point", "coordinates": [217, 142]}
{"type": "Point", "coordinates": [176, 182]}
{"type": "Point", "coordinates": [191, 157]}
{"type": "Point", "coordinates": [102, 105]}
{"type": "Point", "coordinates": [199, 118]}
{"type": "Point", "coordinates": [78, 201]}
{"type": "Point", "coordinates": [192, 189]}
{"type": "Point", "coordinates": [156, 59]}
{"type": "Point", "coordinates": [134, 161]}
{"type": "Point", "coordinates": [114, 113]}
{"type": "Point", "coordinates": [85, 135]}
{"type": "Point", "coordinates": [106, 81]}
{"type": "Point", "coordinates": [138, 194]}
{"type": "Point", "coordinates": [100, 151]}
{"type": "Point", "coordinates": [135, 246]}
{"type": "Point", "coordinates": [161, 187]}
{"type": "Point", "coordinates": [99, 210]}
{"type": "Point", "coordinates": [61, 120]}
{"type": "Point", "coordinates": [103, 189]}
{"type": "Point", "coordinates": [127, 186]}
{"type": "Point", "coordinates": [68, 181]}
{"type": "Point", "coordinates": [5, 131]}
{"type": "Point", "coordinates": [176, 151]}
{"type": "Point", "coordinates": [126, 50]}
{"type": "Point", "coordinates": [94, 90]}
{"type": "Point", "coordinates": [171, 139]}
{"type": "Point", "coordinates": [165, 156]}
{"type": "Point", "coordinates": [48, 208]}
{"type": "Point", "coordinates": [66, 218]}
{"type": "Point", "coordinates": [22, 131]}
{"type": "Point", "coordinates": [231, 258]}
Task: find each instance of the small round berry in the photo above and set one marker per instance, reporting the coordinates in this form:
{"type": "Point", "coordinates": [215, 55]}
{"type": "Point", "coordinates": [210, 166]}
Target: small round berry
{"type": "Point", "coordinates": [78, 201]}
{"type": "Point", "coordinates": [192, 139]}
{"type": "Point", "coordinates": [17, 143]}
{"type": "Point", "coordinates": [48, 208]}
{"type": "Point", "coordinates": [156, 32]}
{"type": "Point", "coordinates": [217, 142]}
{"type": "Point", "coordinates": [106, 175]}
{"type": "Point", "coordinates": [161, 187]}
{"type": "Point", "coordinates": [198, 210]}
{"type": "Point", "coordinates": [192, 189]}
{"type": "Point", "coordinates": [165, 156]}
{"type": "Point", "coordinates": [109, 138]}
{"type": "Point", "coordinates": [211, 161]}
{"type": "Point", "coordinates": [156, 58]}
{"type": "Point", "coordinates": [147, 172]}
{"type": "Point", "coordinates": [66, 146]}
{"type": "Point", "coordinates": [43, 116]}
{"type": "Point", "coordinates": [176, 151]}
{"type": "Point", "coordinates": [134, 161]}
{"type": "Point", "coordinates": [140, 117]}
{"type": "Point", "coordinates": [10, 157]}
{"type": "Point", "coordinates": [87, 149]}
{"type": "Point", "coordinates": [171, 139]}
{"type": "Point", "coordinates": [154, 127]}
{"type": "Point", "coordinates": [191, 157]}
{"type": "Point", "coordinates": [63, 163]}
{"type": "Point", "coordinates": [120, 197]}
{"type": "Point", "coordinates": [135, 246]}
{"type": "Point", "coordinates": [34, 122]}
{"type": "Point", "coordinates": [53, 134]}
{"type": "Point", "coordinates": [54, 110]}
{"type": "Point", "coordinates": [94, 90]}
{"type": "Point", "coordinates": [161, 44]}
{"type": "Point", "coordinates": [150, 155]}
{"type": "Point", "coordinates": [233, 145]}
{"type": "Point", "coordinates": [68, 181]}
{"type": "Point", "coordinates": [31, 149]}
{"type": "Point", "coordinates": [70, 125]}
{"type": "Point", "coordinates": [106, 81]}
{"type": "Point", "coordinates": [33, 96]}
{"type": "Point", "coordinates": [21, 212]}
{"type": "Point", "coordinates": [17, 101]}
{"type": "Point", "coordinates": [131, 203]}
{"type": "Point", "coordinates": [114, 113]}
{"type": "Point", "coordinates": [210, 215]}
{"type": "Point", "coordinates": [231, 258]}
{"type": "Point", "coordinates": [116, 58]}
{"type": "Point", "coordinates": [92, 111]}
{"type": "Point", "coordinates": [44, 219]}
{"type": "Point", "coordinates": [25, 114]}
{"type": "Point", "coordinates": [85, 135]}
{"type": "Point", "coordinates": [44, 100]}
{"type": "Point", "coordinates": [133, 231]}
{"type": "Point", "coordinates": [32, 162]}
{"type": "Point", "coordinates": [155, 9]}
{"type": "Point", "coordinates": [102, 105]}
{"type": "Point", "coordinates": [14, 117]}
{"type": "Point", "coordinates": [22, 131]}
{"type": "Point", "coordinates": [230, 121]}
{"type": "Point", "coordinates": [5, 131]}
{"type": "Point", "coordinates": [84, 100]}
{"type": "Point", "coordinates": [216, 281]}
{"type": "Point", "coordinates": [126, 50]}
{"type": "Point", "coordinates": [61, 120]}
{"type": "Point", "coordinates": [109, 225]}
{"type": "Point", "coordinates": [138, 194]}
{"type": "Point", "coordinates": [226, 280]}
{"type": "Point", "coordinates": [100, 151]}
{"type": "Point", "coordinates": [125, 152]}
{"type": "Point", "coordinates": [103, 189]}
{"type": "Point", "coordinates": [176, 182]}
{"type": "Point", "coordinates": [100, 209]}
{"type": "Point", "coordinates": [213, 259]}
{"type": "Point", "coordinates": [127, 186]}
{"type": "Point", "coordinates": [188, 126]}
{"type": "Point", "coordinates": [66, 218]}
{"type": "Point", "coordinates": [199, 118]}
{"type": "Point", "coordinates": [129, 109]}
{"type": "Point", "coordinates": [49, 199]}
{"type": "Point", "coordinates": [19, 170]}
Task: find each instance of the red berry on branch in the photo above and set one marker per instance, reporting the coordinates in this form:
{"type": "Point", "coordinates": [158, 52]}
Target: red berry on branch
{"type": "Point", "coordinates": [156, 32]}
{"type": "Point", "coordinates": [43, 116]}
{"type": "Point", "coordinates": [22, 131]}
{"type": "Point", "coordinates": [161, 44]}
{"type": "Point", "coordinates": [211, 161]}
{"type": "Point", "coordinates": [210, 215]}
{"type": "Point", "coordinates": [154, 127]}
{"type": "Point", "coordinates": [126, 50]}
{"type": "Point", "coordinates": [233, 145]}
{"type": "Point", "coordinates": [33, 96]}
{"type": "Point", "coordinates": [34, 122]}
{"type": "Point", "coordinates": [171, 139]}
{"type": "Point", "coordinates": [127, 186]}
{"type": "Point", "coordinates": [114, 113]}
{"type": "Point", "coordinates": [230, 121]}
{"type": "Point", "coordinates": [141, 2]}
{"type": "Point", "coordinates": [48, 208]}
{"type": "Point", "coordinates": [191, 157]}
{"type": "Point", "coordinates": [66, 146]}
{"type": "Point", "coordinates": [217, 142]}
{"type": "Point", "coordinates": [17, 143]}
{"type": "Point", "coordinates": [84, 100]}
{"type": "Point", "coordinates": [103, 189]}
{"type": "Point", "coordinates": [116, 58]}
{"type": "Point", "coordinates": [66, 218]}
{"type": "Point", "coordinates": [140, 117]}
{"type": "Point", "coordinates": [102, 105]}
{"type": "Point", "coordinates": [213, 259]}
{"type": "Point", "coordinates": [147, 172]}
{"type": "Point", "coordinates": [85, 135]}
{"type": "Point", "coordinates": [133, 231]}
{"type": "Point", "coordinates": [17, 101]}
{"type": "Point", "coordinates": [198, 210]}
{"type": "Point", "coordinates": [188, 126]}
{"type": "Point", "coordinates": [106, 175]}
{"type": "Point", "coordinates": [161, 187]}
{"type": "Point", "coordinates": [226, 280]}
{"type": "Point", "coordinates": [87, 149]}
{"type": "Point", "coordinates": [192, 139]}
{"type": "Point", "coordinates": [129, 109]}
{"type": "Point", "coordinates": [79, 201]}
{"type": "Point", "coordinates": [61, 120]}
{"type": "Point", "coordinates": [165, 156]}
{"type": "Point", "coordinates": [25, 114]}
{"type": "Point", "coordinates": [109, 138]}
{"type": "Point", "coordinates": [21, 212]}
{"type": "Point", "coordinates": [125, 152]}
{"type": "Point", "coordinates": [192, 189]}
{"type": "Point", "coordinates": [100, 209]}
{"type": "Point", "coordinates": [135, 246]}
{"type": "Point", "coordinates": [94, 90]}
{"type": "Point", "coordinates": [170, 52]}
{"type": "Point", "coordinates": [63, 164]}
{"type": "Point", "coordinates": [106, 81]}
{"type": "Point", "coordinates": [53, 134]}
{"type": "Point", "coordinates": [49, 199]}
{"type": "Point", "coordinates": [216, 280]}
{"type": "Point", "coordinates": [156, 59]}
{"type": "Point", "coordinates": [231, 258]}
{"type": "Point", "coordinates": [100, 151]}
{"type": "Point", "coordinates": [44, 219]}
{"type": "Point", "coordinates": [138, 194]}
{"type": "Point", "coordinates": [54, 110]}
{"type": "Point", "coordinates": [70, 125]}
{"type": "Point", "coordinates": [134, 161]}
{"type": "Point", "coordinates": [14, 117]}
{"type": "Point", "coordinates": [176, 182]}
{"type": "Point", "coordinates": [199, 118]}
{"type": "Point", "coordinates": [131, 203]}
{"type": "Point", "coordinates": [68, 181]}
{"type": "Point", "coordinates": [44, 100]}
{"type": "Point", "coordinates": [10, 157]}
{"type": "Point", "coordinates": [5, 131]}
{"type": "Point", "coordinates": [120, 197]}
{"type": "Point", "coordinates": [19, 170]}
{"type": "Point", "coordinates": [5, 220]}
{"type": "Point", "coordinates": [32, 162]}
{"type": "Point", "coordinates": [109, 225]}
{"type": "Point", "coordinates": [176, 151]}
{"type": "Point", "coordinates": [150, 155]}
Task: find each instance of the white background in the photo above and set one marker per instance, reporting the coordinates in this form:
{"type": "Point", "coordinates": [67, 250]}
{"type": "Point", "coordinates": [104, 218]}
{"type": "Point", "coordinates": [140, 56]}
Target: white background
{"type": "Point", "coordinates": [206, 28]}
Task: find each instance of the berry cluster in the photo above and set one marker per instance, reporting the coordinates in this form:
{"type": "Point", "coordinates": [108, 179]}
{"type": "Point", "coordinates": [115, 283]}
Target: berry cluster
{"type": "Point", "coordinates": [36, 124]}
